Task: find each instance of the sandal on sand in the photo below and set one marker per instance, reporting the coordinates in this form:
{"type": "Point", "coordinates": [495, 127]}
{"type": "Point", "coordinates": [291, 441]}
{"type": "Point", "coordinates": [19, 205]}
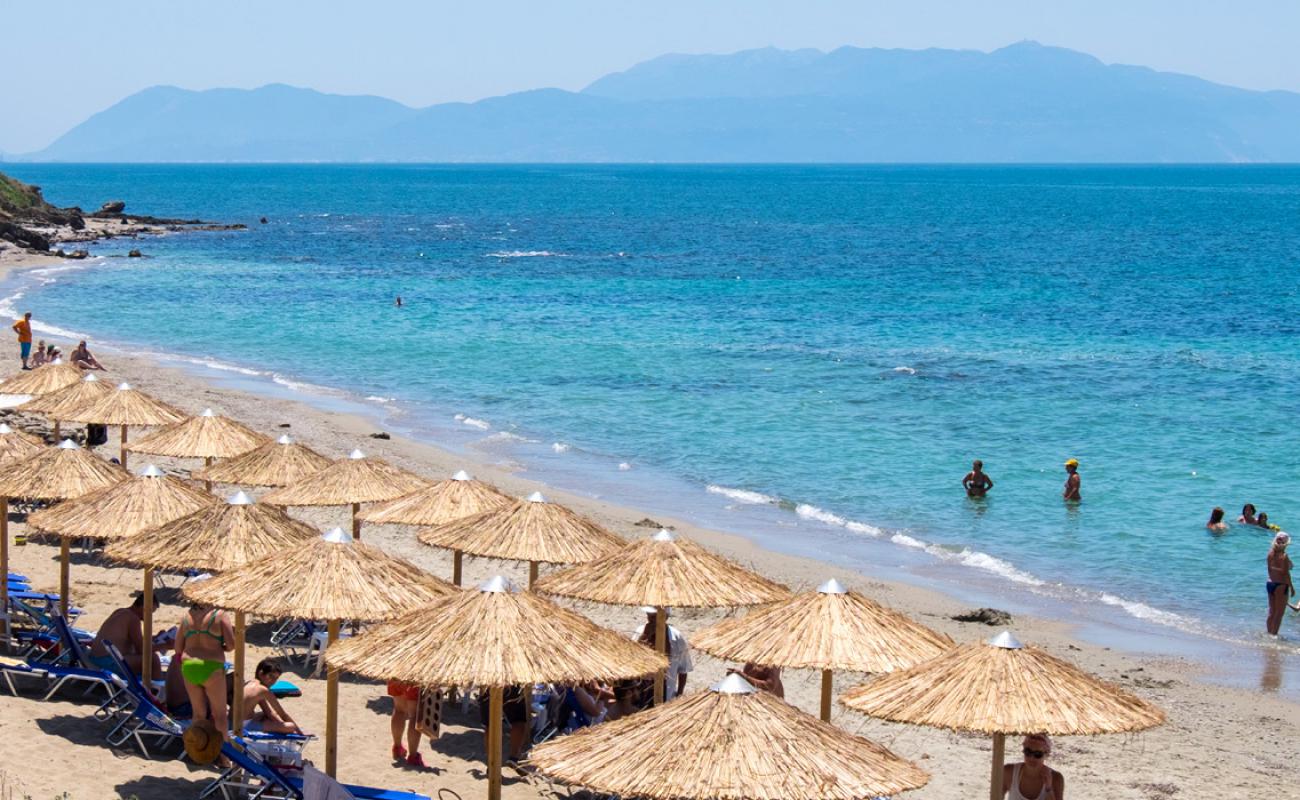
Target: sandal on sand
{"type": "Point", "coordinates": [399, 752]}
{"type": "Point", "coordinates": [416, 760]}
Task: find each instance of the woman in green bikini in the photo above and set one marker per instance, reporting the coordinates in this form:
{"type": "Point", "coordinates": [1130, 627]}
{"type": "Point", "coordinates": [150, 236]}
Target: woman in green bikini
{"type": "Point", "coordinates": [202, 641]}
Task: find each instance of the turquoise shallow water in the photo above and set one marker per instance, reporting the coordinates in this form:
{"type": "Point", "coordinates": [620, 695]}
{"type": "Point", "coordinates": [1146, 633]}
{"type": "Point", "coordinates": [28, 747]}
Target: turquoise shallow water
{"type": "Point", "coordinates": [829, 346]}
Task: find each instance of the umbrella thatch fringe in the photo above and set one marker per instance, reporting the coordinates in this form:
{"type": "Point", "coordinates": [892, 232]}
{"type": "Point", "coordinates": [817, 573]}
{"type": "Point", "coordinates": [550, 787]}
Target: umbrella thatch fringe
{"type": "Point", "coordinates": [126, 406]}
{"type": "Point", "coordinates": [58, 405]}
{"type": "Point", "coordinates": [989, 689]}
{"type": "Point", "coordinates": [726, 747]}
{"type": "Point", "coordinates": [200, 437]}
{"type": "Point", "coordinates": [58, 473]}
{"type": "Point", "coordinates": [438, 504]}
{"type": "Point", "coordinates": [319, 579]}
{"type": "Point", "coordinates": [272, 464]}
{"type": "Point", "coordinates": [122, 510]}
{"type": "Point", "coordinates": [664, 571]}
{"type": "Point", "coordinates": [42, 380]}
{"type": "Point", "coordinates": [527, 530]}
{"type": "Point", "coordinates": [493, 639]}
{"type": "Point", "coordinates": [216, 538]}
{"type": "Point", "coordinates": [817, 630]}
{"type": "Point", "coordinates": [17, 445]}
{"type": "Point", "coordinates": [346, 481]}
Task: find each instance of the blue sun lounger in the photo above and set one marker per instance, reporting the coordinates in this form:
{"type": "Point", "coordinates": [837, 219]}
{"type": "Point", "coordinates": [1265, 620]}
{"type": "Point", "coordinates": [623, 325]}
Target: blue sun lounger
{"type": "Point", "coordinates": [146, 720]}
{"type": "Point", "coordinates": [250, 777]}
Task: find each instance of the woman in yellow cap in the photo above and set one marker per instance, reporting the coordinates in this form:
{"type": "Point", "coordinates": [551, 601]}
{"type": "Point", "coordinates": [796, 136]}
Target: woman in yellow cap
{"type": "Point", "coordinates": [1071, 493]}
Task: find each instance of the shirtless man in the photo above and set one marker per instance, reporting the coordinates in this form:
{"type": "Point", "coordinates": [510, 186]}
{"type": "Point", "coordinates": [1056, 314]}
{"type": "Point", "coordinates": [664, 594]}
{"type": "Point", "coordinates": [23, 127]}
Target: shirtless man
{"type": "Point", "coordinates": [262, 708]}
{"type": "Point", "coordinates": [976, 483]}
{"type": "Point", "coordinates": [82, 358]}
{"type": "Point", "coordinates": [1072, 481]}
{"type": "Point", "coordinates": [124, 628]}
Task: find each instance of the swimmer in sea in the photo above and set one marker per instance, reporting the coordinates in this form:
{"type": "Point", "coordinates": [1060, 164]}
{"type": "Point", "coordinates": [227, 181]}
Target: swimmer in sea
{"type": "Point", "coordinates": [1072, 481]}
{"type": "Point", "coordinates": [976, 483]}
{"type": "Point", "coordinates": [1216, 522]}
{"type": "Point", "coordinates": [1247, 515]}
{"type": "Point", "coordinates": [398, 302]}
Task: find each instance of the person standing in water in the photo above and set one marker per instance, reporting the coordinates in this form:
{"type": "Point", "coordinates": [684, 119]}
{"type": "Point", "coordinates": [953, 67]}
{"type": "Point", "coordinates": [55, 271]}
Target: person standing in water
{"type": "Point", "coordinates": [976, 483]}
{"type": "Point", "coordinates": [1247, 515]}
{"type": "Point", "coordinates": [1279, 586]}
{"type": "Point", "coordinates": [1072, 481]}
{"type": "Point", "coordinates": [1216, 522]}
{"type": "Point", "coordinates": [23, 327]}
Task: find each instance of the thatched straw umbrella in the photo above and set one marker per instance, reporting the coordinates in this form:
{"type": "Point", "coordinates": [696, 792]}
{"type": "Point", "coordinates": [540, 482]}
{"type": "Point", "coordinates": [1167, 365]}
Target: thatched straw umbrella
{"type": "Point", "coordinates": [56, 405]}
{"type": "Point", "coordinates": [43, 380]}
{"type": "Point", "coordinates": [493, 638]}
{"type": "Point", "coordinates": [664, 571]}
{"type": "Point", "coordinates": [349, 481]}
{"type": "Point", "coordinates": [277, 463]}
{"type": "Point", "coordinates": [125, 407]}
{"type": "Point", "coordinates": [331, 578]}
{"type": "Point", "coordinates": [53, 473]}
{"type": "Point", "coordinates": [1001, 687]}
{"type": "Point", "coordinates": [215, 538]}
{"type": "Point", "coordinates": [118, 511]}
{"type": "Point", "coordinates": [17, 444]}
{"type": "Point", "coordinates": [828, 629]}
{"type": "Point", "coordinates": [531, 530]}
{"type": "Point", "coordinates": [206, 436]}
{"type": "Point", "coordinates": [732, 742]}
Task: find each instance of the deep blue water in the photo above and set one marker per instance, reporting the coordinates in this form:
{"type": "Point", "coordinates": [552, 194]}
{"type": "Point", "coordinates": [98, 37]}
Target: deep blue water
{"type": "Point", "coordinates": [840, 340]}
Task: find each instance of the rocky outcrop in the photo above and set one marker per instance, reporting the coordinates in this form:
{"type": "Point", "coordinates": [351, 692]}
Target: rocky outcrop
{"type": "Point", "coordinates": [988, 616]}
{"type": "Point", "coordinates": [112, 207]}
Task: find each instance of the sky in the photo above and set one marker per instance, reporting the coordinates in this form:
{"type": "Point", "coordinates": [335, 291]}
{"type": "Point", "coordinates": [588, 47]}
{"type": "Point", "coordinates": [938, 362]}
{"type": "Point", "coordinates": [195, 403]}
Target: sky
{"type": "Point", "coordinates": [73, 59]}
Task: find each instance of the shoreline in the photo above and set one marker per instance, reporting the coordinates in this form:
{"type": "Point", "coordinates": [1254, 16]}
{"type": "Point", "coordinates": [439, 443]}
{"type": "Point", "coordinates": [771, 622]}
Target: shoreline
{"type": "Point", "coordinates": [1210, 746]}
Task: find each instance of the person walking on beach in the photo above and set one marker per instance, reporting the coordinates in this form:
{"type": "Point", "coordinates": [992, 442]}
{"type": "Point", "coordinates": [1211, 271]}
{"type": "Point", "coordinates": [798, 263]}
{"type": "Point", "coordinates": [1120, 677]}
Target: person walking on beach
{"type": "Point", "coordinates": [1072, 481]}
{"type": "Point", "coordinates": [406, 702]}
{"type": "Point", "coordinates": [1032, 779]}
{"type": "Point", "coordinates": [976, 483]}
{"type": "Point", "coordinates": [1279, 586]}
{"type": "Point", "coordinates": [23, 327]}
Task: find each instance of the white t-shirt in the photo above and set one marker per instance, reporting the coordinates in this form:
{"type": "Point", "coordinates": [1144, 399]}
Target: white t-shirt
{"type": "Point", "coordinates": [679, 658]}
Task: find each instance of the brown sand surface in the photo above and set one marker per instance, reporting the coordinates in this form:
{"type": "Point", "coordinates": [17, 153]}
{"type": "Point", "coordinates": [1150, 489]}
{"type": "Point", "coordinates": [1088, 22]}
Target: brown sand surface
{"type": "Point", "coordinates": [1219, 742]}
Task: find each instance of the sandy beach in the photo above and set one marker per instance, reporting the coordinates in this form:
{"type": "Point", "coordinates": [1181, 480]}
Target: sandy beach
{"type": "Point", "coordinates": [1218, 742]}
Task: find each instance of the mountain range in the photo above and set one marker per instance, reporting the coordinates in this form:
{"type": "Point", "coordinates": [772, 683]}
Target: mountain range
{"type": "Point", "coordinates": [1022, 103]}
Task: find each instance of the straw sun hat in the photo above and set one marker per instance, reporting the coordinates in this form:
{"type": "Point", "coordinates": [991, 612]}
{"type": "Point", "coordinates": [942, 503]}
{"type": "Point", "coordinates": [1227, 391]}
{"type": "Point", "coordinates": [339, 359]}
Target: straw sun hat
{"type": "Point", "coordinates": [202, 742]}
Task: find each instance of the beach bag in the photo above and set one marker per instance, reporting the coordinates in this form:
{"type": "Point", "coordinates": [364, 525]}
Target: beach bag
{"type": "Point", "coordinates": [428, 714]}
{"type": "Point", "coordinates": [96, 434]}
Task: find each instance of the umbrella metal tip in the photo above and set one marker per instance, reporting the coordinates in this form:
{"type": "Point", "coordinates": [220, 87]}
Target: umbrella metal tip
{"type": "Point", "coordinates": [5, 428]}
{"type": "Point", "coordinates": [356, 455]}
{"type": "Point", "coordinates": [733, 684]}
{"type": "Point", "coordinates": [1006, 640]}
{"type": "Point", "coordinates": [207, 412]}
{"type": "Point", "coordinates": [284, 439]}
{"type": "Point", "coordinates": [239, 498]}
{"type": "Point", "coordinates": [462, 475]}
{"type": "Point", "coordinates": [337, 536]}
{"type": "Point", "coordinates": [123, 386]}
{"type": "Point", "coordinates": [68, 444]}
{"type": "Point", "coordinates": [89, 377]}
{"type": "Point", "coordinates": [663, 535]}
{"type": "Point", "coordinates": [151, 472]}
{"type": "Point", "coordinates": [832, 586]}
{"type": "Point", "coordinates": [536, 497]}
{"type": "Point", "coordinates": [498, 584]}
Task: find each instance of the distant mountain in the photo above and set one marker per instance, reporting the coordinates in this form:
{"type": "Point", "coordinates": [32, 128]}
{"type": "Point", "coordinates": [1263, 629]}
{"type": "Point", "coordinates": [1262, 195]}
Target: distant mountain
{"type": "Point", "coordinates": [1023, 103]}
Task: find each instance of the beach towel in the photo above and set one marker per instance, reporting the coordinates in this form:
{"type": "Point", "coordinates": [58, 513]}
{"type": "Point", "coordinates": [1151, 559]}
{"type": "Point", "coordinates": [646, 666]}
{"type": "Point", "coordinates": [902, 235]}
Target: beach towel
{"type": "Point", "coordinates": [316, 785]}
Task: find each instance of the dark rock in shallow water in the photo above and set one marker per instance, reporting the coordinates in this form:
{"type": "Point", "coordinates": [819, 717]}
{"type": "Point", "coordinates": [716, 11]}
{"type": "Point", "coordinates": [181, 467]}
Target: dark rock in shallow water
{"type": "Point", "coordinates": [113, 207]}
{"type": "Point", "coordinates": [78, 254]}
{"type": "Point", "coordinates": [988, 616]}
{"type": "Point", "coordinates": [263, 220]}
{"type": "Point", "coordinates": [133, 254]}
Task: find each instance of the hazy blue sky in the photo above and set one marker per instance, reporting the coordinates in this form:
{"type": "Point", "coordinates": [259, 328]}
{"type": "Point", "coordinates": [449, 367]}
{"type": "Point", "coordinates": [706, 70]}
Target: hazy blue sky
{"type": "Point", "coordinates": [66, 60]}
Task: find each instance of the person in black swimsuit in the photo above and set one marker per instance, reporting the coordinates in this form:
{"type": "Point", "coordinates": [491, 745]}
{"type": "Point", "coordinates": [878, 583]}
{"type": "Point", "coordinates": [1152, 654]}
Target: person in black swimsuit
{"type": "Point", "coordinates": [976, 483]}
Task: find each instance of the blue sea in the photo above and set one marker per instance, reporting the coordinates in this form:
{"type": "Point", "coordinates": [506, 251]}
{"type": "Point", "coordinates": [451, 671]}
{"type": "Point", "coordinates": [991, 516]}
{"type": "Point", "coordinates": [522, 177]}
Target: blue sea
{"type": "Point", "coordinates": [811, 356]}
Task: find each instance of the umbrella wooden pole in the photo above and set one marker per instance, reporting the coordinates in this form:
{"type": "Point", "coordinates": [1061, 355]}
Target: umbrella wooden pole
{"type": "Point", "coordinates": [237, 710]}
{"type": "Point", "coordinates": [356, 523]}
{"type": "Point", "coordinates": [146, 623]}
{"type": "Point", "coordinates": [64, 559]}
{"type": "Point", "coordinates": [122, 449]}
{"type": "Point", "coordinates": [207, 484]}
{"type": "Point", "coordinates": [4, 567]}
{"type": "Point", "coordinates": [331, 706]}
{"type": "Point", "coordinates": [661, 637]}
{"type": "Point", "coordinates": [999, 756]}
{"type": "Point", "coordinates": [495, 702]}
{"type": "Point", "coordinates": [532, 574]}
{"type": "Point", "coordinates": [56, 430]}
{"type": "Point", "coordinates": [456, 561]}
{"type": "Point", "coordinates": [826, 695]}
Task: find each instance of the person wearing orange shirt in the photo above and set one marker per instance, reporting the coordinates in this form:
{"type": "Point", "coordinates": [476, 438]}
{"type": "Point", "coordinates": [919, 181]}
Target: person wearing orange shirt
{"type": "Point", "coordinates": [23, 328]}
